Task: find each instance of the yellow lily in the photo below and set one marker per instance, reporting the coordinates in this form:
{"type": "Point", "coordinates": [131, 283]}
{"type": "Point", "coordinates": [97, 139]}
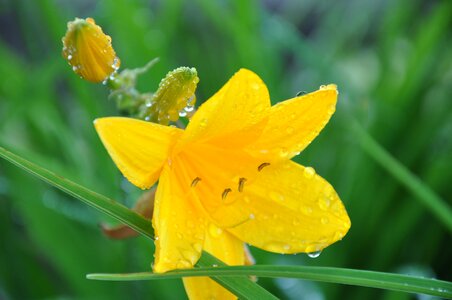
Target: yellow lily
{"type": "Point", "coordinates": [227, 179]}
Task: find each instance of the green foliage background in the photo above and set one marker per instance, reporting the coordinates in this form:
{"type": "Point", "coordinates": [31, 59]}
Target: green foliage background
{"type": "Point", "coordinates": [392, 61]}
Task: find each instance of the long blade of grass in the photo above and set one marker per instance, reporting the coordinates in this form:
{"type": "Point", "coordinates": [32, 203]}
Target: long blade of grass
{"type": "Point", "coordinates": [437, 206]}
{"type": "Point", "coordinates": [239, 285]}
{"type": "Point", "coordinates": [388, 281]}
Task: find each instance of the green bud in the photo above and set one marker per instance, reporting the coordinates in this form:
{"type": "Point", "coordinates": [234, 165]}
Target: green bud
{"type": "Point", "coordinates": [174, 97]}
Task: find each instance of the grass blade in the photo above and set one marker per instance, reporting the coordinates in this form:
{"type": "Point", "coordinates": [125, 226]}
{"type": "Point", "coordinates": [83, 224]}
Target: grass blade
{"type": "Point", "coordinates": [239, 285]}
{"type": "Point", "coordinates": [437, 206]}
{"type": "Point", "coordinates": [388, 281]}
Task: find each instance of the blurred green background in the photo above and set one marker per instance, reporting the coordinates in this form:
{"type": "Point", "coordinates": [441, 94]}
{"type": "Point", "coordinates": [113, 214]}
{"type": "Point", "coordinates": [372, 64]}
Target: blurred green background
{"type": "Point", "coordinates": [392, 61]}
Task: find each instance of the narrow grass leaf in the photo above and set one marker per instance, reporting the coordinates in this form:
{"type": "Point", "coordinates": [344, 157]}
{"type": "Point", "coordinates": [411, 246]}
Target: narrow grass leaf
{"type": "Point", "coordinates": [387, 281]}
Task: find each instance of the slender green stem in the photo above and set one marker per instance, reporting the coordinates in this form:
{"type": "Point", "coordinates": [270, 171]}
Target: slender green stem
{"type": "Point", "coordinates": [388, 281]}
{"type": "Point", "coordinates": [422, 192]}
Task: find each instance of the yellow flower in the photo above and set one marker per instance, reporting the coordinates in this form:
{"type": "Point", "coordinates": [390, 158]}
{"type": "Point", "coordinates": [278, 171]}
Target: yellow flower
{"type": "Point", "coordinates": [88, 50]}
{"type": "Point", "coordinates": [228, 178]}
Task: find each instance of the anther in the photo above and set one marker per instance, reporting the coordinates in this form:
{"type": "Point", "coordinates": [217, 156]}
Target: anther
{"type": "Point", "coordinates": [225, 193]}
{"type": "Point", "coordinates": [195, 181]}
{"type": "Point", "coordinates": [263, 165]}
{"type": "Point", "coordinates": [241, 184]}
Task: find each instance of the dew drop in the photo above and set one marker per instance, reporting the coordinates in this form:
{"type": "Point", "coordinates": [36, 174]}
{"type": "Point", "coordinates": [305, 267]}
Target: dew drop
{"type": "Point", "coordinates": [69, 57]}
{"type": "Point", "coordinates": [286, 247]}
{"type": "Point", "coordinates": [182, 113]}
{"type": "Point", "coordinates": [183, 264]}
{"type": "Point", "coordinates": [324, 203]}
{"type": "Point", "coordinates": [252, 216]}
{"type": "Point", "coordinates": [300, 93]}
{"type": "Point", "coordinates": [115, 64]}
{"type": "Point", "coordinates": [197, 247]}
{"type": "Point", "coordinates": [215, 231]}
{"type": "Point", "coordinates": [309, 172]}
{"type": "Point", "coordinates": [189, 108]}
{"type": "Point", "coordinates": [331, 109]}
{"type": "Point", "coordinates": [322, 87]}
{"type": "Point", "coordinates": [283, 152]}
{"type": "Point", "coordinates": [307, 210]}
{"type": "Point", "coordinates": [203, 122]}
{"type": "Point", "coordinates": [314, 254]}
{"type": "Point", "coordinates": [275, 196]}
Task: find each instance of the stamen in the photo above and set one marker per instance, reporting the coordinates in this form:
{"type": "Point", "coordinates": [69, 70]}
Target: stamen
{"type": "Point", "coordinates": [241, 184]}
{"type": "Point", "coordinates": [263, 165]}
{"type": "Point", "coordinates": [225, 193]}
{"type": "Point", "coordinates": [195, 181]}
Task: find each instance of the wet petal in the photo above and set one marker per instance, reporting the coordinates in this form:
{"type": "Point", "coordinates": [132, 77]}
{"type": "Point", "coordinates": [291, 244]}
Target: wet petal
{"type": "Point", "coordinates": [241, 103]}
{"type": "Point", "coordinates": [228, 249]}
{"type": "Point", "coordinates": [294, 123]}
{"type": "Point", "coordinates": [138, 148]}
{"type": "Point", "coordinates": [89, 51]}
{"type": "Point", "coordinates": [287, 208]}
{"type": "Point", "coordinates": [179, 229]}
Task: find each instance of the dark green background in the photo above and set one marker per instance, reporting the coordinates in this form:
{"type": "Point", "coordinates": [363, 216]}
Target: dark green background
{"type": "Point", "coordinates": [392, 62]}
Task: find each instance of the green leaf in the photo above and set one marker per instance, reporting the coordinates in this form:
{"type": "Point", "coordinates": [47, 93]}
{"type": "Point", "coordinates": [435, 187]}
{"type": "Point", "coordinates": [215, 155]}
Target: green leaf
{"type": "Point", "coordinates": [242, 286]}
{"type": "Point", "coordinates": [437, 206]}
{"type": "Point", "coordinates": [388, 281]}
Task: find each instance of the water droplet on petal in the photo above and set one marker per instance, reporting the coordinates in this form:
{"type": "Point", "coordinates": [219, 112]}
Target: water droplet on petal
{"type": "Point", "coordinates": [314, 254]}
{"type": "Point", "coordinates": [183, 264]}
{"type": "Point", "coordinates": [252, 216]}
{"type": "Point", "coordinates": [309, 172]}
{"type": "Point", "coordinates": [275, 196]}
{"type": "Point", "coordinates": [307, 210]}
{"type": "Point", "coordinates": [215, 231]}
{"type": "Point", "coordinates": [324, 203]}
{"type": "Point", "coordinates": [283, 152]}
{"type": "Point", "coordinates": [197, 247]}
{"type": "Point", "coordinates": [203, 122]}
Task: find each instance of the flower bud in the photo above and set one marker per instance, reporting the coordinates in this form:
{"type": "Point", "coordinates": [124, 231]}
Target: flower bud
{"type": "Point", "coordinates": [89, 51]}
{"type": "Point", "coordinates": [174, 98]}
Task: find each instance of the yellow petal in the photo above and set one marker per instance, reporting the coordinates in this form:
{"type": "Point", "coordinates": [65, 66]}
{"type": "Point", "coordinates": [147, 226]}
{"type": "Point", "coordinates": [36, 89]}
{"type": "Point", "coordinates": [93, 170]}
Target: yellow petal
{"type": "Point", "coordinates": [241, 103]}
{"type": "Point", "coordinates": [138, 148]}
{"type": "Point", "coordinates": [179, 229]}
{"type": "Point", "coordinates": [287, 208]}
{"type": "Point", "coordinates": [89, 51]}
{"type": "Point", "coordinates": [228, 249]}
{"type": "Point", "coordinates": [294, 123]}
